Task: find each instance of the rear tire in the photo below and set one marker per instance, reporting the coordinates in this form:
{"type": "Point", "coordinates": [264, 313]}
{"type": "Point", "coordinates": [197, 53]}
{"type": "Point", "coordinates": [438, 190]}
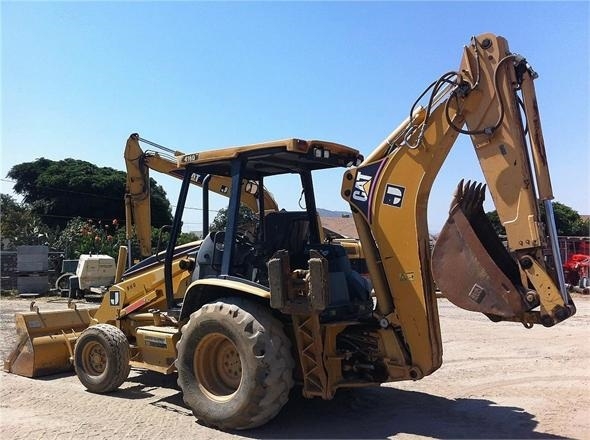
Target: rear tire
{"type": "Point", "coordinates": [234, 364]}
{"type": "Point", "coordinates": [101, 358]}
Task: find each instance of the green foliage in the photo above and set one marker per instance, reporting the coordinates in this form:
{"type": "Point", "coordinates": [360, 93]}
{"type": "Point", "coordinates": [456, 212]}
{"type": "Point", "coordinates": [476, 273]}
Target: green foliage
{"type": "Point", "coordinates": [160, 239]}
{"type": "Point", "coordinates": [20, 225]}
{"type": "Point", "coordinates": [58, 191]}
{"type": "Point", "coordinates": [246, 219]}
{"type": "Point", "coordinates": [160, 206]}
{"type": "Point", "coordinates": [187, 237]}
{"type": "Point", "coordinates": [495, 220]}
{"type": "Point", "coordinates": [90, 237]}
{"type": "Point", "coordinates": [567, 221]}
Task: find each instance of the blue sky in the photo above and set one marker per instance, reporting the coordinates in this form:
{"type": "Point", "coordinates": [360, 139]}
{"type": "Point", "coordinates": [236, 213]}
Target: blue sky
{"type": "Point", "coordinates": [79, 77]}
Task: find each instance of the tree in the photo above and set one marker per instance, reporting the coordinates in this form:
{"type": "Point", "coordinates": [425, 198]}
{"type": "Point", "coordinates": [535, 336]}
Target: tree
{"type": "Point", "coordinates": [246, 219]}
{"type": "Point", "coordinates": [58, 191]}
{"type": "Point", "coordinates": [20, 225]}
{"type": "Point", "coordinates": [495, 220]}
{"type": "Point", "coordinates": [187, 237]}
{"type": "Point", "coordinates": [567, 221]}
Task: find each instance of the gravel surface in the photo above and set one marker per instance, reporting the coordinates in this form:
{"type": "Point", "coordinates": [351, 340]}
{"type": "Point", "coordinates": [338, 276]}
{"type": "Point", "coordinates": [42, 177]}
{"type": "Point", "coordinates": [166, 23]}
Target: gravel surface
{"type": "Point", "coordinates": [497, 381]}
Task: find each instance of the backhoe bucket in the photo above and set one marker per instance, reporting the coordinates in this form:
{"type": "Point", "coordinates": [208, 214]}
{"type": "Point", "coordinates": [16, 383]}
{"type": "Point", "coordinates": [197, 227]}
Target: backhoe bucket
{"type": "Point", "coordinates": [45, 341]}
{"type": "Point", "coordinates": [471, 266]}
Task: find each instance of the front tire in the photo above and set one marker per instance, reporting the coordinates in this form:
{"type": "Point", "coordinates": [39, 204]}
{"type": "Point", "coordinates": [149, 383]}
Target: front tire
{"type": "Point", "coordinates": [234, 364]}
{"type": "Point", "coordinates": [101, 358]}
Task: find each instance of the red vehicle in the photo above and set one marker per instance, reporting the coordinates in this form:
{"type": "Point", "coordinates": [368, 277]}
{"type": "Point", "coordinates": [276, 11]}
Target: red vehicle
{"type": "Point", "coordinates": [577, 267]}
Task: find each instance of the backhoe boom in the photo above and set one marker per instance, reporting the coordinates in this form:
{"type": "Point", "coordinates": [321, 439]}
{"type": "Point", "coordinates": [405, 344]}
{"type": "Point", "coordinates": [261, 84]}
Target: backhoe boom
{"type": "Point", "coordinates": [389, 193]}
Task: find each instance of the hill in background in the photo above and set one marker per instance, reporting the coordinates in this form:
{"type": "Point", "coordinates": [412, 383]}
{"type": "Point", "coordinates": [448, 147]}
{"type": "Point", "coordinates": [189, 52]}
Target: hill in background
{"type": "Point", "coordinates": [328, 213]}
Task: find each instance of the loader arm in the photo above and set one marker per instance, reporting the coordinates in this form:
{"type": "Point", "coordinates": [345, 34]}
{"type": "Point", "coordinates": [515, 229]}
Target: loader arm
{"type": "Point", "coordinates": [137, 192]}
{"type": "Point", "coordinates": [389, 192]}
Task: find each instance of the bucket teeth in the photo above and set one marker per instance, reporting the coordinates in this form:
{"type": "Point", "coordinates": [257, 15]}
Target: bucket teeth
{"type": "Point", "coordinates": [469, 197]}
{"type": "Point", "coordinates": [457, 197]}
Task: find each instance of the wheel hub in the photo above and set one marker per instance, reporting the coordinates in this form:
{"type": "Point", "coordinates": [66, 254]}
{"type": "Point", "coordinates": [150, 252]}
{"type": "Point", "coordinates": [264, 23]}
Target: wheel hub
{"type": "Point", "coordinates": [218, 367]}
{"type": "Point", "coordinates": [95, 359]}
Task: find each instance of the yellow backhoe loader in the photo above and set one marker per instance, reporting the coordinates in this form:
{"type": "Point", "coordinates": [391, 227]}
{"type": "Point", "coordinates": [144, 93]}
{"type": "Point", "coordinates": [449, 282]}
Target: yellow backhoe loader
{"type": "Point", "coordinates": [241, 319]}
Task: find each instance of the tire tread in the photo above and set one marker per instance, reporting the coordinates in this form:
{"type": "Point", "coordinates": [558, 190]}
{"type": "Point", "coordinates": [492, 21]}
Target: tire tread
{"type": "Point", "coordinates": [272, 391]}
{"type": "Point", "coordinates": [118, 368]}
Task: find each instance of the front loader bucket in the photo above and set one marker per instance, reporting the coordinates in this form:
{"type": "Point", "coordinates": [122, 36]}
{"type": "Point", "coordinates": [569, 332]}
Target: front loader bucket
{"type": "Point", "coordinates": [45, 341]}
{"type": "Point", "coordinates": [470, 265]}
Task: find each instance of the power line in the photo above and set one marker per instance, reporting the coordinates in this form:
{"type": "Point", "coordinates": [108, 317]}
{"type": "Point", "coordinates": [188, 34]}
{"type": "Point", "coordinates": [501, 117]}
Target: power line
{"type": "Point", "coordinates": [196, 209]}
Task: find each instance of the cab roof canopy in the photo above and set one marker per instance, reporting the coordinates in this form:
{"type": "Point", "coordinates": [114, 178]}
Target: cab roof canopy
{"type": "Point", "coordinates": [271, 158]}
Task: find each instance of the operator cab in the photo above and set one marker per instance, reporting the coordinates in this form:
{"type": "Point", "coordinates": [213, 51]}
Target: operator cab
{"type": "Point", "coordinates": [242, 252]}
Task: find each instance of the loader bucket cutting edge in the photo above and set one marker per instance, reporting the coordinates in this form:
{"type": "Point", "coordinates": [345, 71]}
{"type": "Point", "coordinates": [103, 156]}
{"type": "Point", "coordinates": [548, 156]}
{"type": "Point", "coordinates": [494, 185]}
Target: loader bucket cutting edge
{"type": "Point", "coordinates": [44, 340]}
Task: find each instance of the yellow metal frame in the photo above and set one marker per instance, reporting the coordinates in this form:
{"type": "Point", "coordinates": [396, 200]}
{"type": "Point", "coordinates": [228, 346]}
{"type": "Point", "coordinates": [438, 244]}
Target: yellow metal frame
{"type": "Point", "coordinates": [389, 194]}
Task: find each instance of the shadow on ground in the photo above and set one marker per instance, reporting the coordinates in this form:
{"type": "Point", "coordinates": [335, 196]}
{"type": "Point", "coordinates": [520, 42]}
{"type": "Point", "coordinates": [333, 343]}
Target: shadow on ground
{"type": "Point", "coordinates": [369, 413]}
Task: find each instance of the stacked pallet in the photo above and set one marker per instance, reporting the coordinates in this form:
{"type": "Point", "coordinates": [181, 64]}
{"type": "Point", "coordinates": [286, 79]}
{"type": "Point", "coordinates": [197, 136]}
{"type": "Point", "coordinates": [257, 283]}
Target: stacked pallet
{"type": "Point", "coordinates": [32, 267]}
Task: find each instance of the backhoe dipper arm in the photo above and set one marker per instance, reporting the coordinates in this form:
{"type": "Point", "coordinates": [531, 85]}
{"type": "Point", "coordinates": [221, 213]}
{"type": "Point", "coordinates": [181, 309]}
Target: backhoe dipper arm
{"type": "Point", "coordinates": [137, 196]}
{"type": "Point", "coordinates": [389, 193]}
{"type": "Point", "coordinates": [137, 193]}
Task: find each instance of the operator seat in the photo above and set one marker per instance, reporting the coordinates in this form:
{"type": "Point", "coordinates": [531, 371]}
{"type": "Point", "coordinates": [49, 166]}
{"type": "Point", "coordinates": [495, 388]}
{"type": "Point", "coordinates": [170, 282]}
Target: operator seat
{"type": "Point", "coordinates": [287, 230]}
{"type": "Point", "coordinates": [210, 257]}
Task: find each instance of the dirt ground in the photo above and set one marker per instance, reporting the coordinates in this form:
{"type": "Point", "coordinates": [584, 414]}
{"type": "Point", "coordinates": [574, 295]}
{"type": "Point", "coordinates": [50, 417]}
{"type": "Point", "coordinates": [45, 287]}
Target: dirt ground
{"type": "Point", "coordinates": [497, 381]}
